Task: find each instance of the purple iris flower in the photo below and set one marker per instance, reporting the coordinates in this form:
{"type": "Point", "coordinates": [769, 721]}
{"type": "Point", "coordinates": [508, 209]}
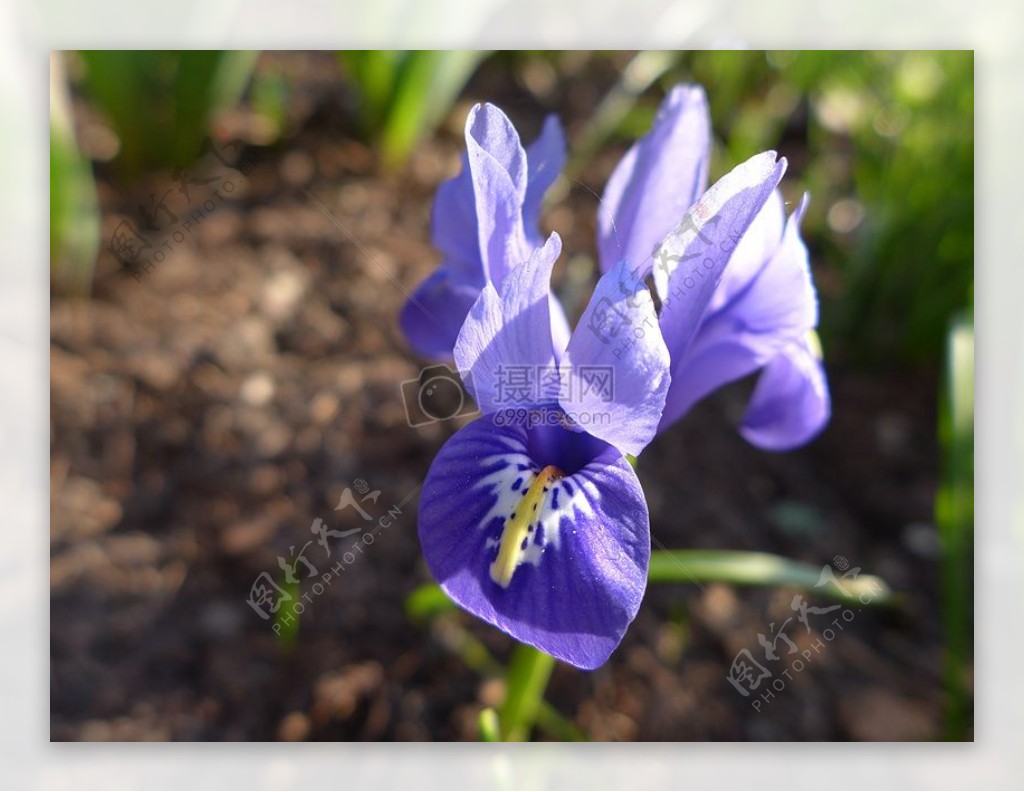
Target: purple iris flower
{"type": "Point", "coordinates": [763, 313]}
{"type": "Point", "coordinates": [532, 517]}
{"type": "Point", "coordinates": [485, 221]}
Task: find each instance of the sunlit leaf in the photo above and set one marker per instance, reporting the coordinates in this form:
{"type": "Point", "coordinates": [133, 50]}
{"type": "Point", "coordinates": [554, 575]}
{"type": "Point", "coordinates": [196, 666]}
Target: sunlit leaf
{"type": "Point", "coordinates": [405, 95]}
{"type": "Point", "coordinates": [763, 569]}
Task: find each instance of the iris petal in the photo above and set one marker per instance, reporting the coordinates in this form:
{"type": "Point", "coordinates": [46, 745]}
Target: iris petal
{"type": "Point", "coordinates": [690, 262]}
{"type": "Point", "coordinates": [778, 298]}
{"type": "Point", "coordinates": [618, 363]}
{"type": "Point", "coordinates": [432, 317]}
{"type": "Point", "coordinates": [497, 163]}
{"type": "Point", "coordinates": [763, 314]}
{"type": "Point", "coordinates": [545, 158]}
{"type": "Point", "coordinates": [790, 404]}
{"type": "Point", "coordinates": [757, 246]}
{"type": "Point", "coordinates": [485, 222]}
{"type": "Point", "coordinates": [658, 179]}
{"type": "Point", "coordinates": [509, 329]}
{"type": "Point", "coordinates": [578, 564]}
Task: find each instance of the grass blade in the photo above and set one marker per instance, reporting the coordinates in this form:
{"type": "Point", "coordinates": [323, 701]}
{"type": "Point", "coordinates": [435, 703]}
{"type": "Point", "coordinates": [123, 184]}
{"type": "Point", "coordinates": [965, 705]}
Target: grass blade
{"type": "Point", "coordinates": [954, 515]}
{"type": "Point", "coordinates": [762, 569]}
{"type": "Point", "coordinates": [74, 209]}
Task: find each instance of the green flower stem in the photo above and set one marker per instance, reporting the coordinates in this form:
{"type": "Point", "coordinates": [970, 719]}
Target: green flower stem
{"type": "Point", "coordinates": [476, 657]}
{"type": "Point", "coordinates": [526, 681]}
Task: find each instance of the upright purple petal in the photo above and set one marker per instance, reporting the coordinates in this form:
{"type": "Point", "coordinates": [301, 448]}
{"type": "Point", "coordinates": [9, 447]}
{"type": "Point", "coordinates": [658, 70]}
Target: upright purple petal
{"type": "Point", "coordinates": [658, 179]}
{"type": "Point", "coordinates": [484, 221]}
{"type": "Point", "coordinates": [477, 219]}
{"type": "Point", "coordinates": [690, 262]}
{"type": "Point", "coordinates": [510, 327]}
{"type": "Point", "coordinates": [618, 364]}
{"type": "Point", "coordinates": [454, 228]}
{"type": "Point", "coordinates": [560, 330]}
{"type": "Point", "coordinates": [556, 558]}
{"type": "Point", "coordinates": [545, 158]}
{"type": "Point", "coordinates": [777, 298]}
{"type": "Point", "coordinates": [790, 404]}
{"type": "Point", "coordinates": [757, 246]}
{"type": "Point", "coordinates": [497, 163]}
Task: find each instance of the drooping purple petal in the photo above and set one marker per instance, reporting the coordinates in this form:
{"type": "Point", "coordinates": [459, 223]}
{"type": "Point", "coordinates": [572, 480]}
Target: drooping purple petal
{"type": "Point", "coordinates": [432, 317]}
{"type": "Point", "coordinates": [509, 327]}
{"type": "Point", "coordinates": [690, 262]}
{"type": "Point", "coordinates": [791, 403]}
{"type": "Point", "coordinates": [658, 179]}
{"type": "Point", "coordinates": [703, 370]}
{"type": "Point", "coordinates": [556, 559]}
{"type": "Point", "coordinates": [618, 364]}
{"type": "Point", "coordinates": [545, 158]}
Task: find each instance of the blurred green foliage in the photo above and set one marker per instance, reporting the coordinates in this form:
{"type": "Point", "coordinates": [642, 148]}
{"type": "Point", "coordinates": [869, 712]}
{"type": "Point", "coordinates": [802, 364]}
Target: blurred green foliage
{"type": "Point", "coordinates": [160, 103]}
{"type": "Point", "coordinates": [286, 625]}
{"type": "Point", "coordinates": [74, 210]}
{"type": "Point", "coordinates": [884, 142]}
{"type": "Point", "coordinates": [403, 96]}
{"type": "Point", "coordinates": [954, 515]}
{"type": "Point", "coordinates": [488, 725]}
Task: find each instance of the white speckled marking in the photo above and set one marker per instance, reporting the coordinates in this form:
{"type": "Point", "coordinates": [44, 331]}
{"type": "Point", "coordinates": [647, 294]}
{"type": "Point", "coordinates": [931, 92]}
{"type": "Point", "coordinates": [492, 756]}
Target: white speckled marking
{"type": "Point", "coordinates": [549, 517]}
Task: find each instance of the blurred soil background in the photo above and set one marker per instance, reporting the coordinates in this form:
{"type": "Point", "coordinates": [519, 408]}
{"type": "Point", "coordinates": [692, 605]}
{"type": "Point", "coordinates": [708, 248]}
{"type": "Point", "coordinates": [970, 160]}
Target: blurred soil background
{"type": "Point", "coordinates": [204, 413]}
